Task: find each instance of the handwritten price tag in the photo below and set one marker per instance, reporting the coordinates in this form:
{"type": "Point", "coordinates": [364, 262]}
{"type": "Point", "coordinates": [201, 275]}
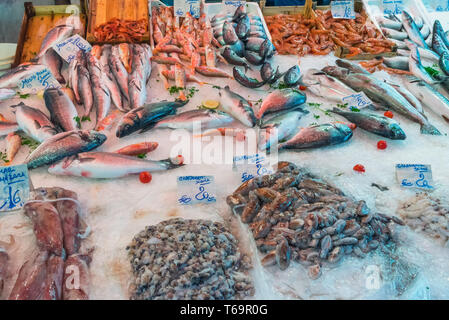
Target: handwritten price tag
{"type": "Point", "coordinates": [252, 166]}
{"type": "Point", "coordinates": [343, 9]}
{"type": "Point", "coordinates": [231, 5]}
{"type": "Point", "coordinates": [196, 189]}
{"type": "Point", "coordinates": [414, 176]}
{"type": "Point", "coordinates": [14, 187]}
{"type": "Point", "coordinates": [392, 6]}
{"type": "Point", "coordinates": [181, 7]}
{"type": "Point", "coordinates": [38, 81]}
{"type": "Point", "coordinates": [68, 48]}
{"type": "Point", "coordinates": [358, 100]}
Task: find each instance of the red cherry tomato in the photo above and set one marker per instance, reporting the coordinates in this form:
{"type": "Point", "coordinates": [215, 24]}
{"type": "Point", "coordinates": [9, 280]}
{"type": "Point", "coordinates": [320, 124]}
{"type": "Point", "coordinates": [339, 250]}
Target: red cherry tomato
{"type": "Point", "coordinates": [145, 177]}
{"type": "Point", "coordinates": [179, 160]}
{"type": "Point", "coordinates": [389, 114]}
{"type": "Point", "coordinates": [302, 88]}
{"type": "Point", "coordinates": [382, 145]}
{"type": "Point", "coordinates": [359, 168]}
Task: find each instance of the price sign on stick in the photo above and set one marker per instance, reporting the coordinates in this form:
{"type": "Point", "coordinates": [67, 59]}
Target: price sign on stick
{"type": "Point", "coordinates": [38, 81]}
{"type": "Point", "coordinates": [68, 48]}
{"type": "Point", "coordinates": [358, 100]}
{"type": "Point", "coordinates": [232, 5]}
{"type": "Point", "coordinates": [14, 187]}
{"type": "Point", "coordinates": [343, 9]}
{"type": "Point", "coordinates": [252, 166]}
{"type": "Point", "coordinates": [392, 6]}
{"type": "Point", "coordinates": [196, 189]}
{"type": "Point", "coordinates": [181, 7]}
{"type": "Point", "coordinates": [415, 176]}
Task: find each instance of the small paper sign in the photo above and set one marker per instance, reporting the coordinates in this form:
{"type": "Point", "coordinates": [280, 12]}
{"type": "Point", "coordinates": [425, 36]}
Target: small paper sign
{"type": "Point", "coordinates": [68, 48]}
{"type": "Point", "coordinates": [415, 176]}
{"type": "Point", "coordinates": [358, 100]}
{"type": "Point", "coordinates": [232, 5]}
{"type": "Point", "coordinates": [196, 189]}
{"type": "Point", "coordinates": [181, 7]}
{"type": "Point", "coordinates": [14, 187]}
{"type": "Point", "coordinates": [392, 6]}
{"type": "Point", "coordinates": [252, 166]}
{"type": "Point", "coordinates": [38, 81]}
{"type": "Point", "coordinates": [343, 9]}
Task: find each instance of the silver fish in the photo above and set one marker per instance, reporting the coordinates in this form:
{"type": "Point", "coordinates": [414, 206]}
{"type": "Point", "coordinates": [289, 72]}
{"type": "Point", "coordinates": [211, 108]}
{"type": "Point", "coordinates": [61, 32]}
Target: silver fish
{"type": "Point", "coordinates": [229, 34]}
{"type": "Point", "coordinates": [119, 72]}
{"type": "Point", "coordinates": [394, 34]}
{"type": "Point", "coordinates": [318, 136]}
{"type": "Point", "coordinates": [63, 145]}
{"type": "Point", "coordinates": [425, 54]}
{"type": "Point", "coordinates": [325, 86]}
{"type": "Point", "coordinates": [279, 128]}
{"type": "Point", "coordinates": [383, 93]}
{"type": "Point", "coordinates": [278, 100]}
{"type": "Point", "coordinates": [7, 127]}
{"type": "Point", "coordinates": [388, 23]}
{"type": "Point", "coordinates": [105, 165]}
{"type": "Point", "coordinates": [412, 30]}
{"type": "Point", "coordinates": [109, 78]}
{"type": "Point", "coordinates": [54, 63]}
{"type": "Point", "coordinates": [351, 66]}
{"type": "Point", "coordinates": [6, 94]}
{"type": "Point", "coordinates": [63, 111]}
{"type": "Point", "coordinates": [237, 106]}
{"type": "Point", "coordinates": [34, 122]}
{"type": "Point", "coordinates": [84, 88]}
{"type": "Point", "coordinates": [53, 36]}
{"type": "Point", "coordinates": [102, 97]}
{"type": "Point", "coordinates": [11, 78]}
{"type": "Point", "coordinates": [138, 78]}
{"type": "Point", "coordinates": [438, 44]}
{"type": "Point", "coordinates": [409, 96]}
{"type": "Point", "coordinates": [430, 97]}
{"type": "Point", "coordinates": [417, 68]}
{"type": "Point", "coordinates": [398, 62]}
{"type": "Point", "coordinates": [73, 74]}
{"type": "Point", "coordinates": [205, 118]}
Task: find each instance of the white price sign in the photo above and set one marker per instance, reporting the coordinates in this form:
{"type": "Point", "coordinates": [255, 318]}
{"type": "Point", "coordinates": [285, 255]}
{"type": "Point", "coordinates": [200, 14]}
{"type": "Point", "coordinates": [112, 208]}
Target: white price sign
{"type": "Point", "coordinates": [392, 6]}
{"type": "Point", "coordinates": [252, 166]}
{"type": "Point", "coordinates": [38, 81]}
{"type": "Point", "coordinates": [68, 48]}
{"type": "Point", "coordinates": [343, 9]}
{"type": "Point", "coordinates": [181, 7]}
{"type": "Point", "coordinates": [415, 176]}
{"type": "Point", "coordinates": [14, 187]}
{"type": "Point", "coordinates": [358, 100]}
{"type": "Point", "coordinates": [196, 189]}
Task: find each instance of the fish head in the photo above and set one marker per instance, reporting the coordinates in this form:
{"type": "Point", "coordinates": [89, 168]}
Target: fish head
{"type": "Point", "coordinates": [92, 137]}
{"type": "Point", "coordinates": [343, 129]}
{"type": "Point", "coordinates": [129, 124]}
{"type": "Point", "coordinates": [397, 133]}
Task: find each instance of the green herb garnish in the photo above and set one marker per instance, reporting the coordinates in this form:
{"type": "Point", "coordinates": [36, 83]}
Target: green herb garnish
{"type": "Point", "coordinates": [174, 89]}
{"type": "Point", "coordinates": [192, 92]}
{"type": "Point", "coordinates": [23, 96]}
{"type": "Point", "coordinates": [314, 104]}
{"type": "Point", "coordinates": [432, 71]}
{"type": "Point", "coordinates": [316, 116]}
{"type": "Point", "coordinates": [85, 118]}
{"type": "Point", "coordinates": [141, 156]}
{"type": "Point", "coordinates": [342, 106]}
{"type": "Point", "coordinates": [3, 157]}
{"type": "Point", "coordinates": [26, 141]}
{"type": "Point", "coordinates": [354, 109]}
{"type": "Point", "coordinates": [216, 87]}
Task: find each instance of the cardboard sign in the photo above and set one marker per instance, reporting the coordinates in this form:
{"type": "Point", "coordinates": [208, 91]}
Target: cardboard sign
{"type": "Point", "coordinates": [343, 9]}
{"type": "Point", "coordinates": [252, 166]}
{"type": "Point", "coordinates": [358, 100]}
{"type": "Point", "coordinates": [68, 48]}
{"type": "Point", "coordinates": [196, 189]}
{"type": "Point", "coordinates": [392, 6]}
{"type": "Point", "coordinates": [181, 7]}
{"type": "Point", "coordinates": [14, 187]}
{"type": "Point", "coordinates": [38, 81]}
{"type": "Point", "coordinates": [415, 176]}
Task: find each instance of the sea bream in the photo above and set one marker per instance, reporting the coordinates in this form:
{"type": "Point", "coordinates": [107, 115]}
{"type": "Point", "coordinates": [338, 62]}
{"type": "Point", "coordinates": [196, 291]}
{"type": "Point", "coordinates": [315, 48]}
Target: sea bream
{"type": "Point", "coordinates": [237, 106]}
{"type": "Point", "coordinates": [279, 128]}
{"type": "Point", "coordinates": [318, 136]}
{"type": "Point", "coordinates": [325, 86]}
{"type": "Point", "coordinates": [63, 111]}
{"type": "Point", "coordinates": [205, 119]}
{"type": "Point", "coordinates": [281, 99]}
{"type": "Point", "coordinates": [145, 117]}
{"type": "Point", "coordinates": [11, 78]}
{"type": "Point", "coordinates": [63, 145]}
{"type": "Point", "coordinates": [107, 165]}
{"type": "Point", "coordinates": [430, 97]}
{"type": "Point", "coordinates": [34, 122]}
{"type": "Point", "coordinates": [53, 36]}
{"type": "Point", "coordinates": [374, 123]}
{"type": "Point", "coordinates": [382, 93]}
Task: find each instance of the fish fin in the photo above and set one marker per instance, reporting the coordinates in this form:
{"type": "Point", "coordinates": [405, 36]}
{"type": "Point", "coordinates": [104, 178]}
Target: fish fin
{"type": "Point", "coordinates": [37, 124]}
{"type": "Point", "coordinates": [86, 159]}
{"type": "Point", "coordinates": [445, 118]}
{"type": "Point", "coordinates": [427, 128]}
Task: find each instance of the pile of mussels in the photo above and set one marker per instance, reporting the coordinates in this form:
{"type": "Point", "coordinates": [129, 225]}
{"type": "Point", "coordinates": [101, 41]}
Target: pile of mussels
{"type": "Point", "coordinates": [294, 215]}
{"type": "Point", "coordinates": [188, 259]}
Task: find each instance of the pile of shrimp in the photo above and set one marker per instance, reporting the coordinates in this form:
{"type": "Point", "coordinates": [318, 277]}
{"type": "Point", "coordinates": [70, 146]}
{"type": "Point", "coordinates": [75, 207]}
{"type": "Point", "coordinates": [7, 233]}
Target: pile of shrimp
{"type": "Point", "coordinates": [377, 65]}
{"type": "Point", "coordinates": [294, 34]}
{"type": "Point", "coordinates": [121, 30]}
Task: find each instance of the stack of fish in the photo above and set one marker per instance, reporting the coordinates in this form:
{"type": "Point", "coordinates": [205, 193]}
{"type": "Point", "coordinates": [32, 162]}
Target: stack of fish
{"type": "Point", "coordinates": [59, 228]}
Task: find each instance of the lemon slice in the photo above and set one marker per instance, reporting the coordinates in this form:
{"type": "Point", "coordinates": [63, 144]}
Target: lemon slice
{"type": "Point", "coordinates": [211, 104]}
{"type": "Point", "coordinates": [40, 94]}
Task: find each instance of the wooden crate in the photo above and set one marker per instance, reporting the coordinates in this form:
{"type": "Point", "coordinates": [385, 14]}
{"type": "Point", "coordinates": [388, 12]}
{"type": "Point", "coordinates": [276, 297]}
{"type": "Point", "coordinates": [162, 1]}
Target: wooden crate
{"type": "Point", "coordinates": [36, 22]}
{"type": "Point", "coordinates": [102, 11]}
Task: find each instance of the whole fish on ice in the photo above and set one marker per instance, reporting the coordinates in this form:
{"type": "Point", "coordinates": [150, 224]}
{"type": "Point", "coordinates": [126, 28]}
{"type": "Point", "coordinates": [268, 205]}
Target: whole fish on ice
{"type": "Point", "coordinates": [237, 106]}
{"type": "Point", "coordinates": [281, 99]}
{"type": "Point", "coordinates": [325, 86]}
{"type": "Point", "coordinates": [11, 78]}
{"type": "Point", "coordinates": [187, 120]}
{"type": "Point", "coordinates": [279, 128]}
{"type": "Point", "coordinates": [53, 36]}
{"type": "Point", "coordinates": [34, 122]}
{"type": "Point", "coordinates": [63, 111]}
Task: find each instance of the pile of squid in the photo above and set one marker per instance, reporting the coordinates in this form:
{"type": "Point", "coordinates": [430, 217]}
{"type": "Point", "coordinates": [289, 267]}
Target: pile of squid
{"type": "Point", "coordinates": [58, 269]}
{"type": "Point", "coordinates": [294, 34]}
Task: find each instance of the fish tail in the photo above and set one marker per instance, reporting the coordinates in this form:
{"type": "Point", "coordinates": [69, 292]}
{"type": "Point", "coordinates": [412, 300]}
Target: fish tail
{"type": "Point", "coordinates": [170, 165]}
{"type": "Point", "coordinates": [427, 128]}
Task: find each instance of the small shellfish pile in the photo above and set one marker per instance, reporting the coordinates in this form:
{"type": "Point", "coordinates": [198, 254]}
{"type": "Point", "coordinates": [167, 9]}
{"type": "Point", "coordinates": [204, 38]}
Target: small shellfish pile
{"type": "Point", "coordinates": [427, 215]}
{"type": "Point", "coordinates": [294, 215]}
{"type": "Point", "coordinates": [188, 259]}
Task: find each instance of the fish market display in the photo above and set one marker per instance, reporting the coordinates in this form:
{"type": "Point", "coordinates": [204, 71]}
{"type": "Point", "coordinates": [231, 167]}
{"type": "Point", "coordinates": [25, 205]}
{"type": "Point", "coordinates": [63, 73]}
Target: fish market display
{"type": "Point", "coordinates": [121, 30]}
{"type": "Point", "coordinates": [58, 227]}
{"type": "Point", "coordinates": [427, 215]}
{"type": "Point", "coordinates": [187, 120]}
{"type": "Point", "coordinates": [294, 34]}
{"type": "Point", "coordinates": [188, 259]}
{"type": "Point", "coordinates": [107, 165]}
{"type": "Point", "coordinates": [281, 99]}
{"type": "Point", "coordinates": [294, 216]}
{"type": "Point", "coordinates": [62, 110]}
{"type": "Point", "coordinates": [235, 105]}
{"type": "Point", "coordinates": [325, 86]}
{"type": "Point", "coordinates": [63, 145]}
{"type": "Point", "coordinates": [34, 123]}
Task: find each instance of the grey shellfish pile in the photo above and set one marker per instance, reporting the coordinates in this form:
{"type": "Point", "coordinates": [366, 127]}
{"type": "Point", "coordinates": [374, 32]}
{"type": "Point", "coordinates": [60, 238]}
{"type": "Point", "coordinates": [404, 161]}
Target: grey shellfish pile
{"type": "Point", "coordinates": [295, 216]}
{"type": "Point", "coordinates": [427, 215]}
{"type": "Point", "coordinates": [188, 259]}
